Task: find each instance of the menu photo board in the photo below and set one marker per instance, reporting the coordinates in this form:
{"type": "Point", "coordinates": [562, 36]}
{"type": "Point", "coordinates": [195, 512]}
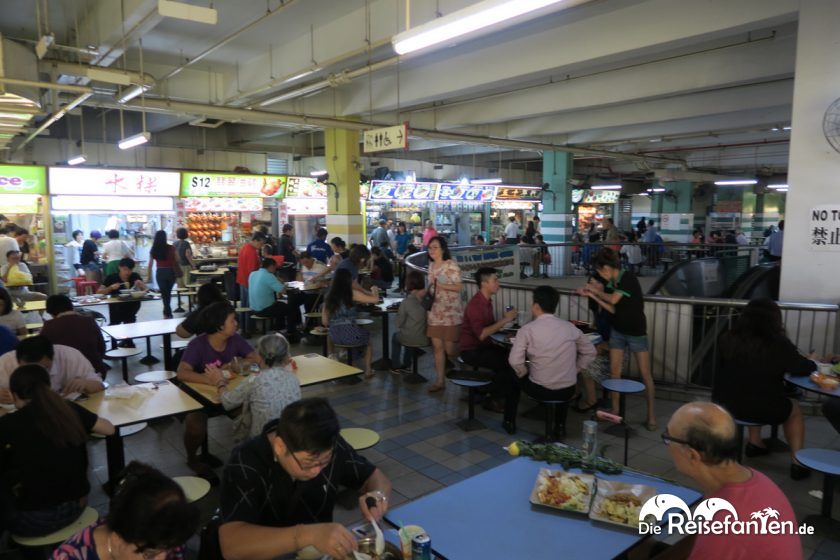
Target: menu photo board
{"type": "Point", "coordinates": [222, 204]}
{"type": "Point", "coordinates": [396, 190]}
{"type": "Point", "coordinates": [457, 192]}
{"type": "Point", "coordinates": [585, 196]}
{"type": "Point", "coordinates": [305, 187]}
{"type": "Point", "coordinates": [526, 194]}
{"type": "Point", "coordinates": [230, 185]}
{"type": "Point", "coordinates": [120, 182]}
{"type": "Point", "coordinates": [23, 179]}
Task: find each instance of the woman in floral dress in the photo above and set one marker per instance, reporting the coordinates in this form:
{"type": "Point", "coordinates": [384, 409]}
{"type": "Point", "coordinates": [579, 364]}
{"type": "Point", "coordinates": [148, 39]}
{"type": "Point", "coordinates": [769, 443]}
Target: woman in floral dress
{"type": "Point", "coordinates": [444, 320]}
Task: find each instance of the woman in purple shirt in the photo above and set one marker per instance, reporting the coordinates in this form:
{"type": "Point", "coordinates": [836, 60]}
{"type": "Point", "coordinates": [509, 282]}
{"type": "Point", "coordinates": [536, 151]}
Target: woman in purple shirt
{"type": "Point", "coordinates": [203, 361]}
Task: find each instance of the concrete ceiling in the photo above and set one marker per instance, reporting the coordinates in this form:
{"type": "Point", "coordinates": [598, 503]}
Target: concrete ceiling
{"type": "Point", "coordinates": [702, 82]}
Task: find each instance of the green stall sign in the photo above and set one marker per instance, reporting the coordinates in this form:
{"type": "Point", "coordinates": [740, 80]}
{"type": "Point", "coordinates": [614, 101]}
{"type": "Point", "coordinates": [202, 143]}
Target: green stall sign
{"type": "Point", "coordinates": [214, 184]}
{"type": "Point", "coordinates": [23, 179]}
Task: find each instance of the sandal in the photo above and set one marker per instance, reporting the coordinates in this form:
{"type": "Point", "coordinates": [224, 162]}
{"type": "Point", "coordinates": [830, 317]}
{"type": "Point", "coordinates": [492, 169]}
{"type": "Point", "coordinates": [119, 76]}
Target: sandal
{"type": "Point", "coordinates": [650, 426]}
{"type": "Point", "coordinates": [435, 388]}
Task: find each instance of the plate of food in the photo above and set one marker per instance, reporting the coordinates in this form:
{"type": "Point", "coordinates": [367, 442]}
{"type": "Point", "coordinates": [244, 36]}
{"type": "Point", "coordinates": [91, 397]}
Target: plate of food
{"type": "Point", "coordinates": [619, 503]}
{"type": "Point", "coordinates": [825, 381]}
{"type": "Point", "coordinates": [561, 490]}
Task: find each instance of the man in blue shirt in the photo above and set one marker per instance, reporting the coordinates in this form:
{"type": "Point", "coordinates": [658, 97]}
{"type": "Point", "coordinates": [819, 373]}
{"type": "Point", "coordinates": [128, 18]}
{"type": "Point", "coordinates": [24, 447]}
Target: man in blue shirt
{"type": "Point", "coordinates": [263, 289]}
{"type": "Point", "coordinates": [775, 242]}
{"type": "Point", "coordinates": [319, 248]}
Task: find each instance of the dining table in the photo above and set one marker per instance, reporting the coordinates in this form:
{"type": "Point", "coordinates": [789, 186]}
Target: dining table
{"type": "Point", "coordinates": [490, 516]}
{"type": "Point", "coordinates": [388, 307]}
{"type": "Point", "coordinates": [147, 329]}
{"type": "Point", "coordinates": [150, 401]}
{"type": "Point", "coordinates": [805, 383]}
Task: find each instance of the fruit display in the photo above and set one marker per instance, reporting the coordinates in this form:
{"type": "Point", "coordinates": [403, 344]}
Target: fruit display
{"type": "Point", "coordinates": [207, 227]}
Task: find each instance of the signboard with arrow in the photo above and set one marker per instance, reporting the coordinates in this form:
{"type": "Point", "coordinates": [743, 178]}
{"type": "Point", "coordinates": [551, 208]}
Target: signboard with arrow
{"type": "Point", "coordinates": [388, 138]}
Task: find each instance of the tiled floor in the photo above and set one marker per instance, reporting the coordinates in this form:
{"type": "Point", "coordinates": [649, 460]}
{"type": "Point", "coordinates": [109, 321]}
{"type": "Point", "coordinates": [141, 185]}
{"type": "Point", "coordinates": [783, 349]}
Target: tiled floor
{"type": "Point", "coordinates": [422, 450]}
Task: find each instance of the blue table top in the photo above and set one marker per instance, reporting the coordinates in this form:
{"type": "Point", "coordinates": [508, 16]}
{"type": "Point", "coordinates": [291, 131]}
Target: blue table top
{"type": "Point", "coordinates": [489, 516]}
{"type": "Point", "coordinates": [805, 382]}
{"type": "Point", "coordinates": [622, 385]}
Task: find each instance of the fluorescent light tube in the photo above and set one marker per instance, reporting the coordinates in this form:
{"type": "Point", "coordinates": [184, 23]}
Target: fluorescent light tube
{"type": "Point", "coordinates": [462, 22]}
{"type": "Point", "coordinates": [318, 173]}
{"type": "Point", "coordinates": [135, 140]}
{"type": "Point", "coordinates": [318, 86]}
{"type": "Point", "coordinates": [777, 187]}
{"type": "Point", "coordinates": [81, 158]}
{"type": "Point", "coordinates": [494, 181]}
{"type": "Point", "coordinates": [656, 190]}
{"type": "Point", "coordinates": [605, 187]}
{"type": "Point", "coordinates": [737, 182]}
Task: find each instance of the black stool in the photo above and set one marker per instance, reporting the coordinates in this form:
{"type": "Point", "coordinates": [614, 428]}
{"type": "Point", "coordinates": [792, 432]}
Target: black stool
{"type": "Point", "coordinates": [349, 361]}
{"type": "Point", "coordinates": [414, 377]}
{"type": "Point", "coordinates": [472, 381]}
{"type": "Point", "coordinates": [552, 431]}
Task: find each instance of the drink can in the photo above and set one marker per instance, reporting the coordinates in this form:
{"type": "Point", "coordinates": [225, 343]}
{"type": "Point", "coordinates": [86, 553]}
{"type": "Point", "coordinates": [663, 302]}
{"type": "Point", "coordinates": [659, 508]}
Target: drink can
{"type": "Point", "coordinates": [421, 547]}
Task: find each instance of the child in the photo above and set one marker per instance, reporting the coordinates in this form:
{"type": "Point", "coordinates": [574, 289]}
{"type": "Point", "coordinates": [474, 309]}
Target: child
{"type": "Point", "coordinates": [633, 254]}
{"type": "Point", "coordinates": [411, 324]}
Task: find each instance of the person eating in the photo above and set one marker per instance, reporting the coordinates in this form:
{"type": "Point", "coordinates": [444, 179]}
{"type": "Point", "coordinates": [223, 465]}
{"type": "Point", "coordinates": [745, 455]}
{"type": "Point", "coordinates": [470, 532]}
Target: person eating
{"type": "Point", "coordinates": [124, 279]}
{"type": "Point", "coordinates": [73, 329]}
{"type": "Point", "coordinates": [280, 487]}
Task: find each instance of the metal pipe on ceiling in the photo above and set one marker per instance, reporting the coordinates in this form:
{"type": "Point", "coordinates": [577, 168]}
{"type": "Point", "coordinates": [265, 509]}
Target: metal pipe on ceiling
{"type": "Point", "coordinates": [54, 118]}
{"type": "Point", "coordinates": [99, 73]}
{"type": "Point", "coordinates": [46, 85]}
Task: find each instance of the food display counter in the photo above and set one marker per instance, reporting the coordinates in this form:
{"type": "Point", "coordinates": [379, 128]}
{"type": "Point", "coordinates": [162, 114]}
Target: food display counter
{"type": "Point", "coordinates": [521, 202]}
{"type": "Point", "coordinates": [134, 202]}
{"type": "Point", "coordinates": [593, 206]}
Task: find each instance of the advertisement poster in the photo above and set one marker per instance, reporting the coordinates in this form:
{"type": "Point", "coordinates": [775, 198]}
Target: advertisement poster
{"type": "Point", "coordinates": [23, 179]}
{"type": "Point", "coordinates": [504, 258]}
{"type": "Point", "coordinates": [393, 190]}
{"type": "Point", "coordinates": [214, 184]}
{"type": "Point", "coordinates": [529, 194]}
{"type": "Point", "coordinates": [305, 187]}
{"type": "Point", "coordinates": [456, 192]}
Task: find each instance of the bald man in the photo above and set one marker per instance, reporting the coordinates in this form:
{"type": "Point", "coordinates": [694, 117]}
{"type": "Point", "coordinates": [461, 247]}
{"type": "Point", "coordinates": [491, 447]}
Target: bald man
{"type": "Point", "coordinates": [703, 444]}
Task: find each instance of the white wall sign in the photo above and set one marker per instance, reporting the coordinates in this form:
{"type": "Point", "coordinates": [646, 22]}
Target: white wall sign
{"type": "Point", "coordinates": [388, 138]}
{"type": "Point", "coordinates": [112, 204]}
{"type": "Point", "coordinates": [122, 182]}
{"type": "Point", "coordinates": [824, 232]}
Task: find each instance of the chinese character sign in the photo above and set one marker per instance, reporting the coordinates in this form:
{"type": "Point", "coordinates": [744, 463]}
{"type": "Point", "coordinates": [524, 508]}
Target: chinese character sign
{"type": "Point", "coordinates": [824, 230]}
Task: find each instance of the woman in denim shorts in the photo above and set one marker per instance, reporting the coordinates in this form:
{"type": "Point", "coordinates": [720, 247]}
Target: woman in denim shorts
{"type": "Point", "coordinates": [629, 326]}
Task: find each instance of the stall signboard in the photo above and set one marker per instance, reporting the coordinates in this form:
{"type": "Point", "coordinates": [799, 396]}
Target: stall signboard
{"type": "Point", "coordinates": [228, 185]}
{"type": "Point", "coordinates": [396, 190]}
{"type": "Point", "coordinates": [23, 179]}
{"type": "Point", "coordinates": [504, 258]}
{"type": "Point", "coordinates": [526, 194]}
{"type": "Point", "coordinates": [19, 203]}
{"type": "Point", "coordinates": [457, 192]}
{"type": "Point", "coordinates": [305, 187]}
{"type": "Point", "coordinates": [584, 196]}
{"type": "Point", "coordinates": [306, 206]}
{"type": "Point", "coordinates": [222, 204]}
{"type": "Point", "coordinates": [112, 204]}
{"type": "Point", "coordinates": [107, 182]}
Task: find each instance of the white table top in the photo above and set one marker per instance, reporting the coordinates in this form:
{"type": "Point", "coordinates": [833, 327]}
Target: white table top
{"type": "Point", "coordinates": [166, 400]}
{"type": "Point", "coordinates": [143, 329]}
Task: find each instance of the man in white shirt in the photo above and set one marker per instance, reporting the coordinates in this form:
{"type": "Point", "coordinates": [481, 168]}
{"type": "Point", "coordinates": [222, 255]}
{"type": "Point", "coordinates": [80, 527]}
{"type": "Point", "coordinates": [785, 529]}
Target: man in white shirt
{"type": "Point", "coordinates": [512, 231]}
{"type": "Point", "coordinates": [18, 291]}
{"type": "Point", "coordinates": [741, 239]}
{"type": "Point", "coordinates": [775, 242]}
{"type": "Point", "coordinates": [312, 271]}
{"type": "Point", "coordinates": [547, 354]}
{"type": "Point", "coordinates": [7, 243]}
{"type": "Point", "coordinates": [70, 371]}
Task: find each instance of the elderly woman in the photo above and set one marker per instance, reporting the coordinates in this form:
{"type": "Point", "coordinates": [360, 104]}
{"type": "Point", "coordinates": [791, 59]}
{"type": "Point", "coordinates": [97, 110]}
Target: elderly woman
{"type": "Point", "coordinates": [148, 518]}
{"type": "Point", "coordinates": [204, 361]}
{"type": "Point", "coordinates": [263, 397]}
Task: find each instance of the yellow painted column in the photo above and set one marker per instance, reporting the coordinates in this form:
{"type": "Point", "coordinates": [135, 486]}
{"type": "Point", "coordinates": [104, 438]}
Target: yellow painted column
{"type": "Point", "coordinates": [344, 217]}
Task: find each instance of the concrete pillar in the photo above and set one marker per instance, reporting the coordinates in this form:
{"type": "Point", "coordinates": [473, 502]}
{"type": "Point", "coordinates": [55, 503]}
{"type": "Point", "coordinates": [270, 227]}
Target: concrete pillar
{"type": "Point", "coordinates": [344, 217]}
{"type": "Point", "coordinates": [676, 216]}
{"type": "Point", "coordinates": [809, 271]}
{"type": "Point", "coordinates": [556, 219]}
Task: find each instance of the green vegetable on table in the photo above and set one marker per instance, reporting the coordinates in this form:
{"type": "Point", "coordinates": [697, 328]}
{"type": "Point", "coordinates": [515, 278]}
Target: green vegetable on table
{"type": "Point", "coordinates": [568, 457]}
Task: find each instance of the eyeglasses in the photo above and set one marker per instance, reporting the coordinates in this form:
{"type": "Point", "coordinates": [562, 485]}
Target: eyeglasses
{"type": "Point", "coordinates": [667, 439]}
{"type": "Point", "coordinates": [315, 464]}
{"type": "Point", "coordinates": [151, 553]}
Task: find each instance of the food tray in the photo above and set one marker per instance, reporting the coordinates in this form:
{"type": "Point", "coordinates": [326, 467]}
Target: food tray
{"type": "Point", "coordinates": [638, 494]}
{"type": "Point", "coordinates": [559, 475]}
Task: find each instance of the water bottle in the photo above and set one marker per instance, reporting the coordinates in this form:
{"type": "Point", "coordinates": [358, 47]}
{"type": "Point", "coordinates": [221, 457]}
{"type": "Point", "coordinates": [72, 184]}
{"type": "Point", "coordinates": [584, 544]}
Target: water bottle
{"type": "Point", "coordinates": [590, 445]}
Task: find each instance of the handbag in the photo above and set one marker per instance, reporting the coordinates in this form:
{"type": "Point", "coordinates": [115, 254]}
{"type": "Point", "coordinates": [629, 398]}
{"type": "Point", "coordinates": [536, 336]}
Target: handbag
{"type": "Point", "coordinates": [428, 298]}
{"type": "Point", "coordinates": [546, 258]}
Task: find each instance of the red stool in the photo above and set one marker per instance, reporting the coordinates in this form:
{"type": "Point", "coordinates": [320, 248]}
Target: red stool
{"type": "Point", "coordinates": [85, 287]}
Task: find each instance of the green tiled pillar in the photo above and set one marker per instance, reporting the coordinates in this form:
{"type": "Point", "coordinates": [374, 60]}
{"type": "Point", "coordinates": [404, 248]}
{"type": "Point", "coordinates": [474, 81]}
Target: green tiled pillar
{"type": "Point", "coordinates": [676, 215]}
{"type": "Point", "coordinates": [556, 218]}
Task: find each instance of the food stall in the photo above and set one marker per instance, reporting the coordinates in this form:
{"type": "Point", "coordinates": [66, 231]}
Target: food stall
{"type": "Point", "coordinates": [304, 207]}
{"type": "Point", "coordinates": [135, 202]}
{"type": "Point", "coordinates": [461, 210]}
{"type": "Point", "coordinates": [23, 201]}
{"type": "Point", "coordinates": [221, 209]}
{"type": "Point", "coordinates": [593, 206]}
{"type": "Point", "coordinates": [521, 202]}
{"type": "Point", "coordinates": [411, 203]}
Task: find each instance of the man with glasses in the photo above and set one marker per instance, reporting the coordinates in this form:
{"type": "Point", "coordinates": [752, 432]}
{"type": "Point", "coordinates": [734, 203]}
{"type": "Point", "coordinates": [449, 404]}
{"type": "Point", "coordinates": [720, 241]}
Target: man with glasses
{"type": "Point", "coordinates": [703, 443]}
{"type": "Point", "coordinates": [279, 488]}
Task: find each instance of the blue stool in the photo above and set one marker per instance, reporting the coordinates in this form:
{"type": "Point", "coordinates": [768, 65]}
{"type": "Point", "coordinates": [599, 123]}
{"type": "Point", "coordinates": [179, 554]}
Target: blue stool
{"type": "Point", "coordinates": [826, 461]}
{"type": "Point", "coordinates": [470, 423]}
{"type": "Point", "coordinates": [623, 387]}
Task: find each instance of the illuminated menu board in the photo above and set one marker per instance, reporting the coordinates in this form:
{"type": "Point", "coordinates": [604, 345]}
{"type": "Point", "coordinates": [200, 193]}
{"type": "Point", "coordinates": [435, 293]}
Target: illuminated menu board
{"type": "Point", "coordinates": [215, 184]}
{"type": "Point", "coordinates": [457, 192]}
{"type": "Point", "coordinates": [121, 182]}
{"type": "Point", "coordinates": [305, 187]}
{"type": "Point", "coordinates": [394, 190]}
{"type": "Point", "coordinates": [526, 194]}
{"type": "Point", "coordinates": [584, 196]}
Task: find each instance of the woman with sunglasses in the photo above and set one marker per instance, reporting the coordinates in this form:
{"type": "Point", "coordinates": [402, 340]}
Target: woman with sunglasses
{"type": "Point", "coordinates": [149, 518]}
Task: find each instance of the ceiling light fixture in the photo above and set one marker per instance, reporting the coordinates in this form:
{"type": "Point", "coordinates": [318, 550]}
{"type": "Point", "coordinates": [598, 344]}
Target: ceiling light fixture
{"type": "Point", "coordinates": [318, 173]}
{"type": "Point", "coordinates": [605, 187]}
{"type": "Point", "coordinates": [493, 181]}
{"type": "Point", "coordinates": [81, 158]}
{"type": "Point", "coordinates": [657, 189]}
{"type": "Point", "coordinates": [737, 182]}
{"type": "Point", "coordinates": [781, 190]}
{"type": "Point", "coordinates": [132, 92]}
{"type": "Point", "coordinates": [135, 140]}
{"type": "Point", "coordinates": [462, 22]}
{"type": "Point", "coordinates": [303, 74]}
{"type": "Point", "coordinates": [777, 186]}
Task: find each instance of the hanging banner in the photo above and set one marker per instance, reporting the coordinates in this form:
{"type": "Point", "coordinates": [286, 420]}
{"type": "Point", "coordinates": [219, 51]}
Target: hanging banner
{"type": "Point", "coordinates": [19, 203]}
{"type": "Point", "coordinates": [387, 138]}
{"type": "Point", "coordinates": [586, 196]}
{"type": "Point", "coordinates": [456, 192]}
{"type": "Point", "coordinates": [824, 230]}
{"type": "Point", "coordinates": [394, 190]}
{"type": "Point", "coordinates": [121, 182]}
{"type": "Point", "coordinates": [23, 179]}
{"type": "Point", "coordinates": [215, 184]}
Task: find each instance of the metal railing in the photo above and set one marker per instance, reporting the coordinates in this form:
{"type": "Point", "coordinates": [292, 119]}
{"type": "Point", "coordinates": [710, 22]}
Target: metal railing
{"type": "Point", "coordinates": [683, 332]}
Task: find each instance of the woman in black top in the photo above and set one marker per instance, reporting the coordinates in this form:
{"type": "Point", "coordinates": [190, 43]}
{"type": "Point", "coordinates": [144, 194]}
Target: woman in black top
{"type": "Point", "coordinates": [629, 325]}
{"type": "Point", "coordinates": [754, 357]}
{"type": "Point", "coordinates": [43, 455]}
{"type": "Point", "coordinates": [89, 258]}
